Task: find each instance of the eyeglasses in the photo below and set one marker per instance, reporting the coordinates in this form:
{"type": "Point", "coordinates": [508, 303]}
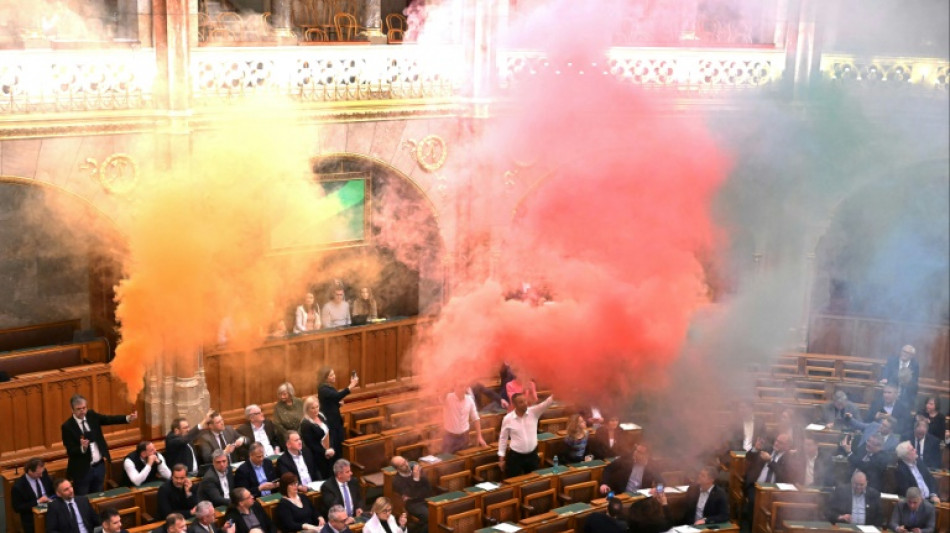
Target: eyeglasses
{"type": "Point", "coordinates": [387, 510]}
{"type": "Point", "coordinates": [257, 413]}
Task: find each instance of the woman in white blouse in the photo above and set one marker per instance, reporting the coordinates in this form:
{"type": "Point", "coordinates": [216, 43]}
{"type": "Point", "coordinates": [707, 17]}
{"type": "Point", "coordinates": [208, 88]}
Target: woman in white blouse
{"type": "Point", "coordinates": [383, 520]}
{"type": "Point", "coordinates": [308, 315]}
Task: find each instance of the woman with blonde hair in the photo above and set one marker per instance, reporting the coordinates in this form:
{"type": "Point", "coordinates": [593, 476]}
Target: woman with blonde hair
{"type": "Point", "coordinates": [315, 435]}
{"type": "Point", "coordinates": [383, 520]}
{"type": "Point", "coordinates": [288, 411]}
{"type": "Point", "coordinates": [576, 439]}
{"type": "Point", "coordinates": [308, 315]}
{"type": "Point", "coordinates": [365, 306]}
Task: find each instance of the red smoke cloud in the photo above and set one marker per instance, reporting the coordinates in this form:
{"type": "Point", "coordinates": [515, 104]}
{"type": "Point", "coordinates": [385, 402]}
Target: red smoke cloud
{"type": "Point", "coordinates": [613, 230]}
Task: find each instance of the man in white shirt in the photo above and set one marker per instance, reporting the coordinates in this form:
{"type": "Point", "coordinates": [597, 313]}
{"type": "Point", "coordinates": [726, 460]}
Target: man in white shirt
{"type": "Point", "coordinates": [521, 428]}
{"type": "Point", "coordinates": [143, 465]}
{"type": "Point", "coordinates": [259, 429]}
{"type": "Point", "coordinates": [459, 413]}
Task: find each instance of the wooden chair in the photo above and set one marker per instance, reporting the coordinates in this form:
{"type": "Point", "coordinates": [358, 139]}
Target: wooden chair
{"type": "Point", "coordinates": [456, 481]}
{"type": "Point", "coordinates": [675, 477]}
{"type": "Point", "coordinates": [579, 492]}
{"type": "Point", "coordinates": [489, 472]}
{"type": "Point", "coordinates": [233, 23]}
{"type": "Point", "coordinates": [506, 511]}
{"type": "Point", "coordinates": [539, 502]}
{"type": "Point", "coordinates": [368, 460]}
{"type": "Point", "coordinates": [396, 21]}
{"type": "Point", "coordinates": [131, 517]}
{"type": "Point", "coordinates": [412, 452]}
{"type": "Point", "coordinates": [467, 522]}
{"type": "Point", "coordinates": [561, 525]}
{"type": "Point", "coordinates": [789, 511]}
{"type": "Point", "coordinates": [347, 27]}
{"type": "Point", "coordinates": [205, 26]}
{"type": "Point", "coordinates": [368, 426]}
{"type": "Point", "coordinates": [317, 35]}
{"type": "Point", "coordinates": [552, 425]}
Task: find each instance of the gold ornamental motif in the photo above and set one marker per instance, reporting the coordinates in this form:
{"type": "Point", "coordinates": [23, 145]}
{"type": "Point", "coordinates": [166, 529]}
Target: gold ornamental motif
{"type": "Point", "coordinates": [430, 153]}
{"type": "Point", "coordinates": [118, 174]}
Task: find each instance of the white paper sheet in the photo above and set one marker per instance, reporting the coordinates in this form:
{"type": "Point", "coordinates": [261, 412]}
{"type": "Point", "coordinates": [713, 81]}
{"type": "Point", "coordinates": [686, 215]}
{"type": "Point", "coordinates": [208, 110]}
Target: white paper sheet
{"type": "Point", "coordinates": [785, 486]}
{"type": "Point", "coordinates": [814, 427]}
{"type": "Point", "coordinates": [889, 496]}
{"type": "Point", "coordinates": [869, 529]}
{"type": "Point", "coordinates": [505, 526]}
{"type": "Point", "coordinates": [430, 459]}
{"type": "Point", "coordinates": [315, 485]}
{"type": "Point", "coordinates": [645, 492]}
{"type": "Point", "coordinates": [685, 529]}
{"type": "Point", "coordinates": [627, 426]}
{"type": "Point", "coordinates": [488, 485]}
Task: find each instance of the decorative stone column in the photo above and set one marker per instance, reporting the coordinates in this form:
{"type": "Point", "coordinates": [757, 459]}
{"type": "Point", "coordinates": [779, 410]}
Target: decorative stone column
{"type": "Point", "coordinates": [281, 20]}
{"type": "Point", "coordinates": [372, 21]}
{"type": "Point", "coordinates": [175, 388]}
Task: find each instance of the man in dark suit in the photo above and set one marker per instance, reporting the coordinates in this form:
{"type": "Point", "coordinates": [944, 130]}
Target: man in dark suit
{"type": "Point", "coordinates": [856, 503]}
{"type": "Point", "coordinates": [259, 429]}
{"type": "Point", "coordinates": [179, 447]}
{"type": "Point", "coordinates": [86, 446]}
{"type": "Point", "coordinates": [247, 513]}
{"type": "Point", "coordinates": [630, 473]}
{"type": "Point", "coordinates": [705, 502]}
{"type": "Point", "coordinates": [775, 467]}
{"type": "Point", "coordinates": [218, 436]}
{"type": "Point", "coordinates": [840, 413]}
{"type": "Point", "coordinates": [342, 490]}
{"type": "Point", "coordinates": [65, 513]}
{"type": "Point", "coordinates": [177, 495]}
{"type": "Point", "coordinates": [913, 515]}
{"type": "Point", "coordinates": [337, 521]}
{"type": "Point", "coordinates": [611, 522]}
{"type": "Point", "coordinates": [257, 474]}
{"type": "Point", "coordinates": [111, 521]}
{"type": "Point", "coordinates": [298, 461]}
{"type": "Point", "coordinates": [32, 488]}
{"type": "Point", "coordinates": [869, 458]}
{"type": "Point", "coordinates": [816, 466]}
{"type": "Point", "coordinates": [885, 404]}
{"type": "Point", "coordinates": [927, 446]}
{"type": "Point", "coordinates": [204, 520]}
{"type": "Point", "coordinates": [911, 472]}
{"type": "Point", "coordinates": [906, 359]}
{"type": "Point", "coordinates": [218, 481]}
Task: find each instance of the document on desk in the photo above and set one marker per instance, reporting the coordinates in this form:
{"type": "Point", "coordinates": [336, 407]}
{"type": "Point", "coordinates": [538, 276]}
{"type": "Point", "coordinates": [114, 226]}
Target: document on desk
{"type": "Point", "coordinates": [488, 485]}
{"type": "Point", "coordinates": [628, 426]}
{"type": "Point", "coordinates": [646, 492]}
{"type": "Point", "coordinates": [889, 496]}
{"type": "Point", "coordinates": [785, 486]}
{"type": "Point", "coordinates": [869, 529]}
{"type": "Point", "coordinates": [814, 427]}
{"type": "Point", "coordinates": [685, 529]}
{"type": "Point", "coordinates": [315, 485]}
{"type": "Point", "coordinates": [430, 459]}
{"type": "Point", "coordinates": [504, 526]}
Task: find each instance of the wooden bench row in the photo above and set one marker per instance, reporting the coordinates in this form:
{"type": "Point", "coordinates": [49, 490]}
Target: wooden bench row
{"type": "Point", "coordinates": [53, 358]}
{"type": "Point", "coordinates": [36, 335]}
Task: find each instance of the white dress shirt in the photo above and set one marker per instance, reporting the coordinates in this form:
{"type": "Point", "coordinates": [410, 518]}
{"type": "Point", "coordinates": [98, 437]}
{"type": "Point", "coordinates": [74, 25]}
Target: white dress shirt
{"type": "Point", "coordinates": [701, 503]}
{"type": "Point", "coordinates": [137, 478]}
{"type": "Point", "coordinates": [261, 436]}
{"type": "Point", "coordinates": [302, 471]}
{"type": "Point", "coordinates": [93, 447]}
{"type": "Point", "coordinates": [457, 414]}
{"type": "Point", "coordinates": [522, 430]}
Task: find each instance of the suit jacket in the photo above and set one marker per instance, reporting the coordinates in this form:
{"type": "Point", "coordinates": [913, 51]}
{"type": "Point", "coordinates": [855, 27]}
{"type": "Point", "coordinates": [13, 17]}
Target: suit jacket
{"type": "Point", "coordinates": [840, 504]}
{"type": "Point", "coordinates": [737, 437]}
{"type": "Point", "coordinates": [330, 399]}
{"type": "Point", "coordinates": [269, 429]}
{"type": "Point", "coordinates": [330, 494]}
{"type": "Point", "coordinates": [716, 510]}
{"type": "Point", "coordinates": [210, 488]}
{"type": "Point", "coordinates": [78, 460]}
{"type": "Point", "coordinates": [58, 518]}
{"type": "Point", "coordinates": [874, 467]}
{"type": "Point", "coordinates": [313, 437]}
{"type": "Point", "coordinates": [173, 500]}
{"type": "Point", "coordinates": [601, 523]}
{"type": "Point", "coordinates": [901, 412]}
{"type": "Point", "coordinates": [892, 367]}
{"type": "Point", "coordinates": [207, 444]}
{"type": "Point", "coordinates": [23, 498]}
{"type": "Point", "coordinates": [195, 527]}
{"type": "Point", "coordinates": [823, 475]}
{"type": "Point", "coordinates": [830, 414]}
{"type": "Point", "coordinates": [906, 480]}
{"type": "Point", "coordinates": [600, 447]}
{"type": "Point", "coordinates": [924, 518]}
{"type": "Point", "coordinates": [328, 529]}
{"type": "Point", "coordinates": [178, 449]}
{"type": "Point", "coordinates": [618, 472]}
{"type": "Point", "coordinates": [245, 477]}
{"type": "Point", "coordinates": [285, 463]}
{"type": "Point", "coordinates": [240, 527]}
{"type": "Point", "coordinates": [932, 457]}
{"type": "Point", "coordinates": [786, 468]}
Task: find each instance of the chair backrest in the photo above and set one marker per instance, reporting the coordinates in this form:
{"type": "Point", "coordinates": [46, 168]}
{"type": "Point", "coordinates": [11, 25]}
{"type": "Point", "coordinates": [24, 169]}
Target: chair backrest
{"type": "Point", "coordinates": [675, 477]}
{"type": "Point", "coordinates": [150, 501]}
{"type": "Point", "coordinates": [131, 517]}
{"type": "Point", "coordinates": [367, 426]}
{"type": "Point", "coordinates": [467, 522]}
{"type": "Point", "coordinates": [506, 511]}
{"type": "Point", "coordinates": [561, 525]}
{"type": "Point", "coordinates": [122, 501]}
{"type": "Point", "coordinates": [581, 492]}
{"type": "Point", "coordinates": [456, 481]}
{"type": "Point", "coordinates": [534, 486]}
{"type": "Point", "coordinates": [552, 425]}
{"type": "Point", "coordinates": [499, 495]}
{"type": "Point", "coordinates": [412, 452]}
{"type": "Point", "coordinates": [571, 478]}
{"type": "Point", "coordinates": [489, 472]}
{"type": "Point", "coordinates": [404, 419]}
{"type": "Point", "coordinates": [790, 511]}
{"type": "Point", "coordinates": [395, 21]}
{"type": "Point", "coordinates": [539, 502]}
{"type": "Point", "coordinates": [346, 26]}
{"type": "Point", "coordinates": [371, 455]}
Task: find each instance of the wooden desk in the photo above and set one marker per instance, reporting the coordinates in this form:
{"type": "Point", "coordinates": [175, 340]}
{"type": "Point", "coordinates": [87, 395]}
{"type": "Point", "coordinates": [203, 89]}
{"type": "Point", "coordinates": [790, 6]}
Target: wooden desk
{"type": "Point", "coordinates": [437, 506]}
{"type": "Point", "coordinates": [818, 527]}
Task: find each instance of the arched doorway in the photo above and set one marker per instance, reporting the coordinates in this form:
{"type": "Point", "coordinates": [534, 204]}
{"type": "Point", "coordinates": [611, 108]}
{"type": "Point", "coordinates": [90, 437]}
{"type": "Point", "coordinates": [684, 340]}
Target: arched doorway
{"type": "Point", "coordinates": [61, 259]}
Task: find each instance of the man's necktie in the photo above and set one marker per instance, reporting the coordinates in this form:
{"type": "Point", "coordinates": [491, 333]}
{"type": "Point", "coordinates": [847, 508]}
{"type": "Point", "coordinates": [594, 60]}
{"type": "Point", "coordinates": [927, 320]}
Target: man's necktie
{"type": "Point", "coordinates": [920, 447]}
{"type": "Point", "coordinates": [771, 475]}
{"type": "Point", "coordinates": [913, 518]}
{"type": "Point", "coordinates": [38, 489]}
{"type": "Point", "coordinates": [867, 457]}
{"type": "Point", "coordinates": [221, 441]}
{"type": "Point", "coordinates": [72, 512]}
{"type": "Point", "coordinates": [347, 502]}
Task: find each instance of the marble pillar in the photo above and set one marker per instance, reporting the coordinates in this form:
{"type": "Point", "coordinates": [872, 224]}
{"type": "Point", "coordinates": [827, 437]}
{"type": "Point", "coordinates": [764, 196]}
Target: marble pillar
{"type": "Point", "coordinates": [372, 21]}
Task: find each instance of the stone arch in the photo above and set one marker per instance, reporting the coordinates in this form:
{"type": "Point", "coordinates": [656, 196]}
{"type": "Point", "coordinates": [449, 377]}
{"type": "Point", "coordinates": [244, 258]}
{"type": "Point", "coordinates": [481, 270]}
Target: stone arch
{"type": "Point", "coordinates": [405, 232]}
{"type": "Point", "coordinates": [62, 257]}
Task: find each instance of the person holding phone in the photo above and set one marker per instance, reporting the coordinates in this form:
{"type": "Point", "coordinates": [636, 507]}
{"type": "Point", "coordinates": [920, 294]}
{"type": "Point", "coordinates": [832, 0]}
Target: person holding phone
{"type": "Point", "coordinates": [204, 520]}
{"type": "Point", "coordinates": [330, 401]}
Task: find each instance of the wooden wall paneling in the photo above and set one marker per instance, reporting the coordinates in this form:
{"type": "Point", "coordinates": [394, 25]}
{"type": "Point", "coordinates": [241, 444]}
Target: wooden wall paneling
{"type": "Point", "coordinates": [876, 339]}
{"type": "Point", "coordinates": [405, 334]}
{"type": "Point", "coordinates": [212, 368]}
{"type": "Point", "coordinates": [829, 335]}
